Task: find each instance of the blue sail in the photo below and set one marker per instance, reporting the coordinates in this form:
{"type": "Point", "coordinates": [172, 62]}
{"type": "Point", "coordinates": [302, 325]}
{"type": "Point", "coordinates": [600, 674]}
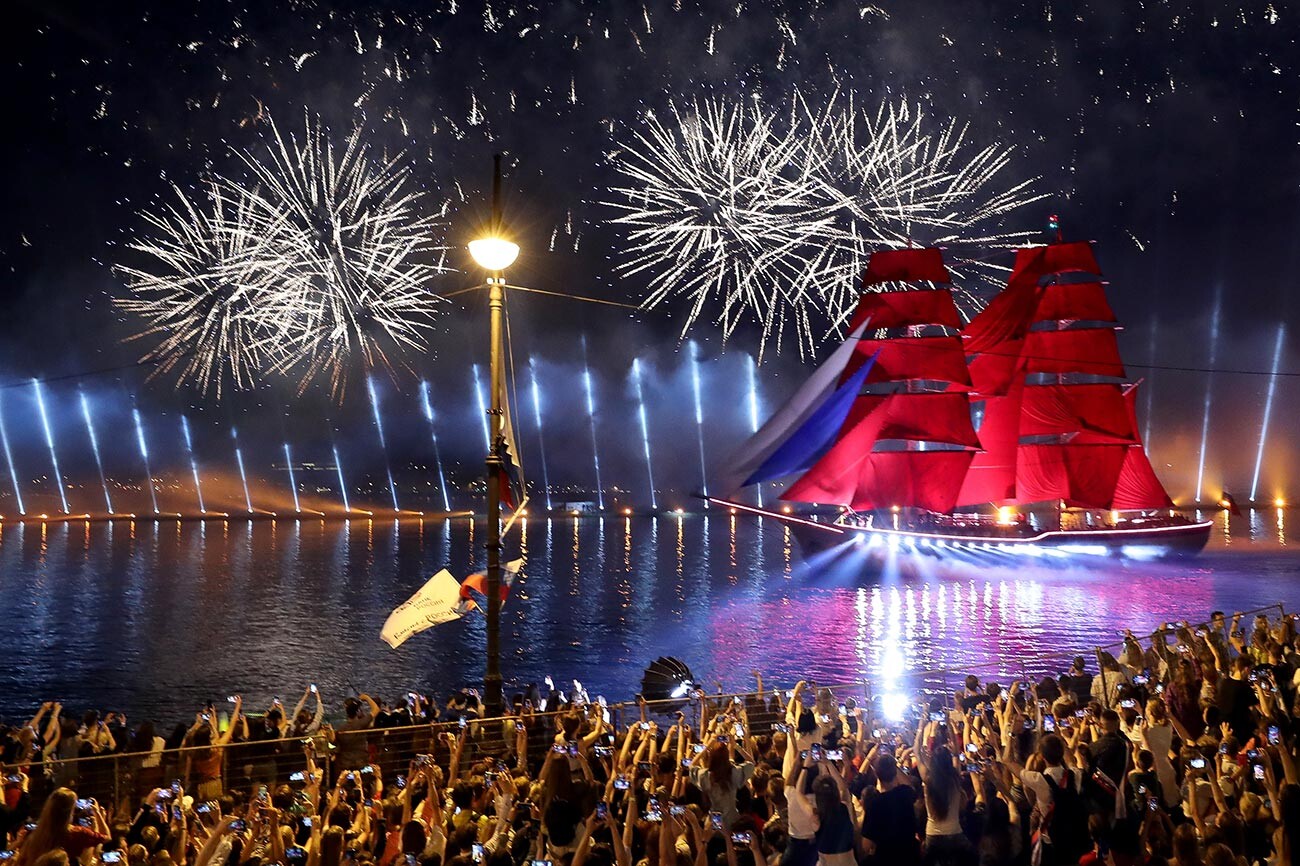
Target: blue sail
{"type": "Point", "coordinates": [806, 445]}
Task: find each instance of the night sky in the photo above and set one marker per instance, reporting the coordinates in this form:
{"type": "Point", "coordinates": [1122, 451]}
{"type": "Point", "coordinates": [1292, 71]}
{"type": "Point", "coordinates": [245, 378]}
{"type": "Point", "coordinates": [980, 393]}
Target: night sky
{"type": "Point", "coordinates": [1166, 132]}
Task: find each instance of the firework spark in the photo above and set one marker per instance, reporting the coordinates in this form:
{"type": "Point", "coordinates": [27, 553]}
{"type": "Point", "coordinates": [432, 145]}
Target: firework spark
{"type": "Point", "coordinates": [322, 257]}
{"type": "Point", "coordinates": [770, 215]}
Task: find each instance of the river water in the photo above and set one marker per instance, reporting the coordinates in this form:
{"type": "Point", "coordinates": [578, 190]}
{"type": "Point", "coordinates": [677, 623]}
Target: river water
{"type": "Point", "coordinates": [158, 619]}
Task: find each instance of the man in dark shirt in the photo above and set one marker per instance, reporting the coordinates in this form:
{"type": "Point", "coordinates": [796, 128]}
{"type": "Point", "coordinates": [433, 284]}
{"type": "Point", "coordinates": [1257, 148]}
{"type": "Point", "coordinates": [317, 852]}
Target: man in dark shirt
{"type": "Point", "coordinates": [1234, 698]}
{"type": "Point", "coordinates": [1107, 758]}
{"type": "Point", "coordinates": [889, 824]}
{"type": "Point", "coordinates": [1077, 683]}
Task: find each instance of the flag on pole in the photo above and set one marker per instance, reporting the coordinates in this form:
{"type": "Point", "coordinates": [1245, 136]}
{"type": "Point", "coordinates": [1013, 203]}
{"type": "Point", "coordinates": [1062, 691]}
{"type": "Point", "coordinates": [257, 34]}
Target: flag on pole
{"type": "Point", "coordinates": [436, 602]}
{"type": "Point", "coordinates": [477, 582]}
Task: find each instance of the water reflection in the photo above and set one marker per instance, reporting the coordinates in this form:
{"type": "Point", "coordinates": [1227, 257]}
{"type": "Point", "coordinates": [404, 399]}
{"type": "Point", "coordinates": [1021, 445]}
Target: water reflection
{"type": "Point", "coordinates": [145, 616]}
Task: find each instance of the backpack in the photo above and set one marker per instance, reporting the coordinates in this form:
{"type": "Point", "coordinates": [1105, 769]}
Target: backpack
{"type": "Point", "coordinates": [1065, 835]}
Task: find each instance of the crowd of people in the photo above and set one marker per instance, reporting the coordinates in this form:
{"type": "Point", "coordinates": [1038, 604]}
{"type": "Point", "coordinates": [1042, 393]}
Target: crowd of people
{"type": "Point", "coordinates": [1179, 750]}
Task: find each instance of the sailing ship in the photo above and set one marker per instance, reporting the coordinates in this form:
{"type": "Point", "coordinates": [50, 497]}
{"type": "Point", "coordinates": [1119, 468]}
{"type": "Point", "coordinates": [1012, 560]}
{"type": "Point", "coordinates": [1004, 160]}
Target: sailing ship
{"type": "Point", "coordinates": [1015, 433]}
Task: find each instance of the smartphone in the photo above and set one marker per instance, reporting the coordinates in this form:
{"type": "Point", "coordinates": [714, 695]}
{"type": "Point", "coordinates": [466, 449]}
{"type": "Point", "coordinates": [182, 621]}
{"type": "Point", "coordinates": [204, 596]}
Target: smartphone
{"type": "Point", "coordinates": [312, 688]}
{"type": "Point", "coordinates": [1274, 735]}
{"type": "Point", "coordinates": [423, 760]}
{"type": "Point", "coordinates": [412, 860]}
{"type": "Point", "coordinates": [715, 820]}
{"type": "Point", "coordinates": [367, 770]}
{"type": "Point", "coordinates": [477, 852]}
{"type": "Point", "coordinates": [1140, 680]}
{"type": "Point", "coordinates": [176, 813]}
{"type": "Point", "coordinates": [203, 808]}
{"type": "Point", "coordinates": [698, 747]}
{"type": "Point", "coordinates": [602, 810]}
{"type": "Point", "coordinates": [739, 731]}
{"type": "Point", "coordinates": [936, 717]}
{"type": "Point", "coordinates": [1153, 804]}
{"type": "Point", "coordinates": [643, 767]}
{"type": "Point", "coordinates": [295, 855]}
{"type": "Point", "coordinates": [573, 750]}
{"type": "Point", "coordinates": [108, 857]}
{"type": "Point", "coordinates": [306, 821]}
{"type": "Point", "coordinates": [464, 722]}
{"type": "Point", "coordinates": [8, 855]}
{"type": "Point", "coordinates": [85, 804]}
{"type": "Point", "coordinates": [621, 783]}
{"type": "Point", "coordinates": [539, 863]}
{"type": "Point", "coordinates": [1196, 763]}
{"type": "Point", "coordinates": [834, 754]}
{"type": "Point", "coordinates": [400, 782]}
{"type": "Point", "coordinates": [824, 718]}
{"type": "Point", "coordinates": [238, 825]}
{"type": "Point", "coordinates": [1049, 723]}
{"type": "Point", "coordinates": [972, 748]}
{"type": "Point", "coordinates": [741, 838]}
{"type": "Point", "coordinates": [781, 728]}
{"type": "Point", "coordinates": [1079, 714]}
{"type": "Point", "coordinates": [676, 811]}
{"type": "Point", "coordinates": [1259, 772]}
{"type": "Point", "coordinates": [176, 786]}
{"type": "Point", "coordinates": [298, 777]}
{"type": "Point", "coordinates": [817, 754]}
{"type": "Point", "coordinates": [1128, 703]}
{"type": "Point", "coordinates": [878, 734]}
{"type": "Point", "coordinates": [559, 748]}
{"type": "Point", "coordinates": [645, 726]}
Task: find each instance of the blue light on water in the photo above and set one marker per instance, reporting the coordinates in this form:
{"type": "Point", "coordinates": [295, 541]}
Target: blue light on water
{"type": "Point", "coordinates": [9, 459]}
{"type": "Point", "coordinates": [144, 455]}
{"type": "Point", "coordinates": [537, 419]}
{"type": "Point", "coordinates": [94, 447]}
{"type": "Point", "coordinates": [383, 445]}
{"type": "Point", "coordinates": [293, 483]}
{"type": "Point", "coordinates": [49, 440]}
{"type": "Point", "coordinates": [645, 430]}
{"type": "Point", "coordinates": [1268, 408]}
{"type": "Point", "coordinates": [194, 465]}
{"type": "Point", "coordinates": [243, 478]}
{"type": "Point", "coordinates": [699, 417]}
{"type": "Point", "coordinates": [433, 434]}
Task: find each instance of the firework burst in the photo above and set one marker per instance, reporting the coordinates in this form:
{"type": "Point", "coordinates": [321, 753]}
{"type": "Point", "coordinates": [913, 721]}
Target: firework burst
{"type": "Point", "coordinates": [770, 215]}
{"type": "Point", "coordinates": [321, 258]}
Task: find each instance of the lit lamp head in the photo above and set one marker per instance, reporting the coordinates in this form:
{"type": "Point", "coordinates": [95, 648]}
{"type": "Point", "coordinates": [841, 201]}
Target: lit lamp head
{"type": "Point", "coordinates": [493, 254]}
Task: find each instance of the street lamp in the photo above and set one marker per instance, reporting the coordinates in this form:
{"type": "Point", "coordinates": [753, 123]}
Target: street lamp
{"type": "Point", "coordinates": [494, 254]}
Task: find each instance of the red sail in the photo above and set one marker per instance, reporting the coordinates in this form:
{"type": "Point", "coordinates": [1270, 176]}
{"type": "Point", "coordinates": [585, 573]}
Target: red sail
{"type": "Point", "coordinates": [903, 358]}
{"type": "Point", "coordinates": [1073, 301]}
{"type": "Point", "coordinates": [1006, 318]}
{"type": "Point", "coordinates": [1083, 350]}
{"type": "Point", "coordinates": [995, 372]}
{"type": "Point", "coordinates": [1035, 263]}
{"type": "Point", "coordinates": [1097, 413]}
{"type": "Point", "coordinates": [914, 417]}
{"type": "Point", "coordinates": [1138, 487]}
{"type": "Point", "coordinates": [904, 309]}
{"type": "Point", "coordinates": [1083, 475]}
{"type": "Point", "coordinates": [906, 266]}
{"type": "Point", "coordinates": [882, 479]}
{"type": "Point", "coordinates": [992, 473]}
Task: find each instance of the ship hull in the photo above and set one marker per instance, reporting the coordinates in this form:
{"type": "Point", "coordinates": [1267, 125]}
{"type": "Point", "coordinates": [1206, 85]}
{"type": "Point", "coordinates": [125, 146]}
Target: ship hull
{"type": "Point", "coordinates": [1157, 542]}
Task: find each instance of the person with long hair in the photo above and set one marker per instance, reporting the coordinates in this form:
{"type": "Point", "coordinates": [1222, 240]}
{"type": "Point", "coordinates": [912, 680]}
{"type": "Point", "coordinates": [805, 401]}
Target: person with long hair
{"type": "Point", "coordinates": [944, 798]}
{"type": "Point", "coordinates": [720, 778]}
{"type": "Point", "coordinates": [56, 831]}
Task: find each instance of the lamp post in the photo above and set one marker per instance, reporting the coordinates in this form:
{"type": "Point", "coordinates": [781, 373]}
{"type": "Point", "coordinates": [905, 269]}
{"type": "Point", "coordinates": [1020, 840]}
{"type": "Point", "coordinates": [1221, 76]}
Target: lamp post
{"type": "Point", "coordinates": [494, 254]}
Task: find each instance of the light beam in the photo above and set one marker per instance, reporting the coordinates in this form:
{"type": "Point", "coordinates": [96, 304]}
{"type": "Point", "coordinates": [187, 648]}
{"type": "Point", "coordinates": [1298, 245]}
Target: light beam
{"type": "Point", "coordinates": [433, 434]}
{"type": "Point", "coordinates": [645, 431]}
{"type": "Point", "coordinates": [537, 418]}
{"type": "Point", "coordinates": [194, 465]}
{"type": "Point", "coordinates": [591, 417]}
{"type": "Point", "coordinates": [1209, 386]}
{"type": "Point", "coordinates": [383, 445]}
{"type": "Point", "coordinates": [343, 487]}
{"type": "Point", "coordinates": [1268, 408]}
{"type": "Point", "coordinates": [49, 440]}
{"type": "Point", "coordinates": [753, 414]}
{"type": "Point", "coordinates": [482, 407]}
{"type": "Point", "coordinates": [144, 454]}
{"type": "Point", "coordinates": [9, 459]}
{"type": "Point", "coordinates": [699, 418]}
{"type": "Point", "coordinates": [293, 484]}
{"type": "Point", "coordinates": [243, 478]}
{"type": "Point", "coordinates": [94, 446]}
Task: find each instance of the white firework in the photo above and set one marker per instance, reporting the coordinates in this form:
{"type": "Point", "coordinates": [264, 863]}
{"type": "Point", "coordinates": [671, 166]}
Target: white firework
{"type": "Point", "coordinates": [771, 215]}
{"type": "Point", "coordinates": [719, 209]}
{"type": "Point", "coordinates": [209, 274]}
{"type": "Point", "coordinates": [362, 250]}
{"type": "Point", "coordinates": [320, 260]}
